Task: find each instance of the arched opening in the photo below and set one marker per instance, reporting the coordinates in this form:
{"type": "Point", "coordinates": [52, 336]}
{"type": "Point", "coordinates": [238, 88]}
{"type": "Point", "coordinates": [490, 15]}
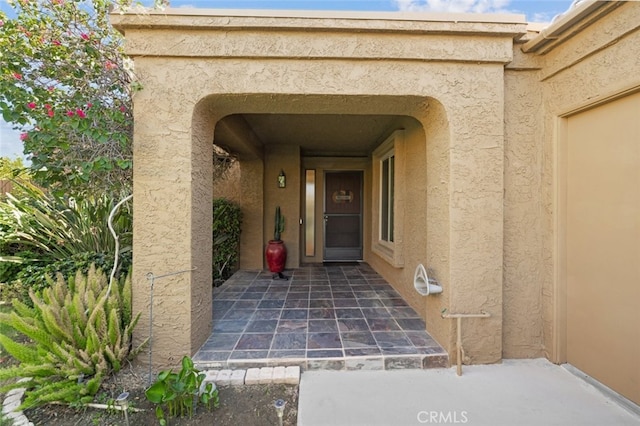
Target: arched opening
{"type": "Point", "coordinates": [328, 135]}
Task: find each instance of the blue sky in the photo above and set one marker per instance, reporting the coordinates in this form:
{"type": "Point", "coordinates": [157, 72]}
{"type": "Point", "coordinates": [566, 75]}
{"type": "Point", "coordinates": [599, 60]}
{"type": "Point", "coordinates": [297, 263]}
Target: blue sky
{"type": "Point", "coordinates": [535, 11]}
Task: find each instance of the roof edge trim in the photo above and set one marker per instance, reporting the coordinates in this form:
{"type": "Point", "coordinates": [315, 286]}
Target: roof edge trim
{"type": "Point", "coordinates": [559, 30]}
{"type": "Point", "coordinates": [497, 18]}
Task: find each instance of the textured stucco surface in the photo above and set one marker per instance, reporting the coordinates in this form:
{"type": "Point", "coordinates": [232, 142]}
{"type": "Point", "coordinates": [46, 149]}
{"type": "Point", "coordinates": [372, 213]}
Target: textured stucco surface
{"type": "Point", "coordinates": [483, 145]}
{"type": "Point", "coordinates": [523, 232]}
{"type": "Point", "coordinates": [489, 136]}
{"type": "Point", "coordinates": [176, 241]}
{"type": "Point", "coordinates": [453, 86]}
{"type": "Point", "coordinates": [287, 159]}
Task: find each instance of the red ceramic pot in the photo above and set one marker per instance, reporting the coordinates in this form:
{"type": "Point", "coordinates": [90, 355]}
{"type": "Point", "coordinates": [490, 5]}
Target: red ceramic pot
{"type": "Point", "coordinates": [276, 254]}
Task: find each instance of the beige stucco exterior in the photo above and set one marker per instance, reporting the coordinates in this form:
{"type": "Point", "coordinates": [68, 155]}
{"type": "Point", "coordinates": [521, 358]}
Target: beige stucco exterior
{"type": "Point", "coordinates": [481, 100]}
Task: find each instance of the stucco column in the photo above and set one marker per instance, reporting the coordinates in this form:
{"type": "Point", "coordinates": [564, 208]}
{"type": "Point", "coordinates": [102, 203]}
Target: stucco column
{"type": "Point", "coordinates": [172, 225]}
{"type": "Point", "coordinates": [476, 217]}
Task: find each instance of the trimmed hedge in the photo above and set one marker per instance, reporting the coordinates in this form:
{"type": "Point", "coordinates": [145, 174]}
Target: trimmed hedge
{"type": "Point", "coordinates": [227, 220]}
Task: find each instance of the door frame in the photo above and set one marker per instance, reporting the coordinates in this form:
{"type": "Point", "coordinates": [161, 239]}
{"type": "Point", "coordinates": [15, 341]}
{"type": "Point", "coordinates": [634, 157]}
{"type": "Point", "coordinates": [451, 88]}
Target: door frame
{"type": "Point", "coordinates": [321, 165]}
{"type": "Point", "coordinates": [324, 214]}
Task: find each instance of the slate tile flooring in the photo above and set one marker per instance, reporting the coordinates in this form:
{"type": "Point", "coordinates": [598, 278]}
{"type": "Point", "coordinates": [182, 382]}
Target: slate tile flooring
{"type": "Point", "coordinates": [323, 317]}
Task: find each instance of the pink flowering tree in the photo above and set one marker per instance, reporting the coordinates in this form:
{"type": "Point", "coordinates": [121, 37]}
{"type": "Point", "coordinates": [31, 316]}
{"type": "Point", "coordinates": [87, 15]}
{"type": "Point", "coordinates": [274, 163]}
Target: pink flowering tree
{"type": "Point", "coordinates": [66, 85]}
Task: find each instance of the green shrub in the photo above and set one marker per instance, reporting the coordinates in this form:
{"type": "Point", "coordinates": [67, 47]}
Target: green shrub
{"type": "Point", "coordinates": [14, 171]}
{"type": "Point", "coordinates": [181, 392]}
{"type": "Point", "coordinates": [80, 333]}
{"type": "Point", "coordinates": [227, 219]}
{"type": "Point", "coordinates": [43, 234]}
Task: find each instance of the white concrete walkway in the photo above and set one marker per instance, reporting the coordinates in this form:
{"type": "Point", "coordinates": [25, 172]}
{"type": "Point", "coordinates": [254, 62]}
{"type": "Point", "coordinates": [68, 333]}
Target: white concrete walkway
{"type": "Point", "coordinates": [516, 392]}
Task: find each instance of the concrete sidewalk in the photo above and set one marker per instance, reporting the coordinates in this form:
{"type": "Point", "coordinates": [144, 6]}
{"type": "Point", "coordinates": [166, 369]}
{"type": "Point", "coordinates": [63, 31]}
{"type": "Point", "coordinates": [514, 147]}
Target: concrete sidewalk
{"type": "Point", "coordinates": [516, 392]}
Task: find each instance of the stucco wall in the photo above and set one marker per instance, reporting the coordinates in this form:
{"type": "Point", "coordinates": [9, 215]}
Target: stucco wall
{"type": "Point", "coordinates": [436, 125]}
{"type": "Point", "coordinates": [424, 215]}
{"type": "Point", "coordinates": [370, 67]}
{"type": "Point", "coordinates": [523, 227]}
{"type": "Point", "coordinates": [287, 159]}
{"type": "Point", "coordinates": [469, 262]}
{"type": "Point", "coordinates": [169, 135]}
{"type": "Point", "coordinates": [583, 70]}
{"type": "Point", "coordinates": [253, 214]}
{"type": "Point", "coordinates": [229, 185]}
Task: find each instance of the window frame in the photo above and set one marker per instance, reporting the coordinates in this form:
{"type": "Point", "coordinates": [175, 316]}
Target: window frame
{"type": "Point", "coordinates": [389, 249]}
{"type": "Point", "coordinates": [386, 215]}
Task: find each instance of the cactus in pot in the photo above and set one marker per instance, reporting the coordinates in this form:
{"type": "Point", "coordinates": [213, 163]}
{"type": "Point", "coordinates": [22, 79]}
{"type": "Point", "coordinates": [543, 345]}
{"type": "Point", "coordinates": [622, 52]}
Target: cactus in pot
{"type": "Point", "coordinates": [276, 252]}
{"type": "Point", "coordinates": [279, 225]}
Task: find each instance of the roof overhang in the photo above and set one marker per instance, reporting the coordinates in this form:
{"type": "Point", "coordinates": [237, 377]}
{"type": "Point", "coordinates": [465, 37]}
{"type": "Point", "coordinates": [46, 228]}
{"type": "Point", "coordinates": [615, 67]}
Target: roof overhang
{"type": "Point", "coordinates": [513, 25]}
{"type": "Point", "coordinates": [569, 24]}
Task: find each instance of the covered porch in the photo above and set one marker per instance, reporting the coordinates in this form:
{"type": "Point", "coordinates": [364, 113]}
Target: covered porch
{"type": "Point", "coordinates": [391, 140]}
{"type": "Point", "coordinates": [339, 317]}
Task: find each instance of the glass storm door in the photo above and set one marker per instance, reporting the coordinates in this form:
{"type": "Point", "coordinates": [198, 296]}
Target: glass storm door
{"type": "Point", "coordinates": [343, 216]}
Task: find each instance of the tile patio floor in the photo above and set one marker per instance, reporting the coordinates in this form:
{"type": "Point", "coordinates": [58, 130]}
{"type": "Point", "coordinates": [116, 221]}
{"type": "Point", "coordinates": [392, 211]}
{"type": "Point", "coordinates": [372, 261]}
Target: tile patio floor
{"type": "Point", "coordinates": [323, 317]}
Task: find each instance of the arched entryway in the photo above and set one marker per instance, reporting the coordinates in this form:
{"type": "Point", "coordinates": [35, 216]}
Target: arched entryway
{"type": "Point", "coordinates": [449, 108]}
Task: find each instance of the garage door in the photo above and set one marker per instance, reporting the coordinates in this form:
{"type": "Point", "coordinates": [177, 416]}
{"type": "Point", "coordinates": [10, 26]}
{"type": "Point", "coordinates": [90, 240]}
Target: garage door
{"type": "Point", "coordinates": [603, 244]}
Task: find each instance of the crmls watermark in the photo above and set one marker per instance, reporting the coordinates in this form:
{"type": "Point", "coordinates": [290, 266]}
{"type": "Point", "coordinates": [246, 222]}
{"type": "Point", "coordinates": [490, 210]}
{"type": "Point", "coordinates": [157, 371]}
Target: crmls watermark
{"type": "Point", "coordinates": [442, 417]}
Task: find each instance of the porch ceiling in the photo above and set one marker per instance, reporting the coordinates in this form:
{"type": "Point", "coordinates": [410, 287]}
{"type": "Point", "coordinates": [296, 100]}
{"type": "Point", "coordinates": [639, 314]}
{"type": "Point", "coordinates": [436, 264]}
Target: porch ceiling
{"type": "Point", "coordinates": [316, 134]}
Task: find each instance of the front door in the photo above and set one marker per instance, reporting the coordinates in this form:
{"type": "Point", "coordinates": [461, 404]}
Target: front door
{"type": "Point", "coordinates": [343, 216]}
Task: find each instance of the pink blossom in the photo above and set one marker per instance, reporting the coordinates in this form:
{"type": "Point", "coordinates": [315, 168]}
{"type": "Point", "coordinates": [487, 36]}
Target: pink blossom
{"type": "Point", "coordinates": [110, 65]}
{"type": "Point", "coordinates": [50, 88]}
{"type": "Point", "coordinates": [80, 113]}
{"type": "Point", "coordinates": [56, 42]}
{"type": "Point", "coordinates": [70, 113]}
{"type": "Point", "coordinates": [50, 113]}
{"type": "Point", "coordinates": [24, 136]}
{"type": "Point", "coordinates": [84, 36]}
{"type": "Point", "coordinates": [24, 30]}
{"type": "Point", "coordinates": [122, 109]}
{"type": "Point", "coordinates": [17, 76]}
{"type": "Point", "coordinates": [89, 105]}
{"type": "Point", "coordinates": [31, 105]}
{"type": "Point", "coordinates": [47, 106]}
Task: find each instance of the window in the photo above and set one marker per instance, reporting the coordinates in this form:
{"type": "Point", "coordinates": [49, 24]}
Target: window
{"type": "Point", "coordinates": [309, 213]}
{"type": "Point", "coordinates": [388, 197]}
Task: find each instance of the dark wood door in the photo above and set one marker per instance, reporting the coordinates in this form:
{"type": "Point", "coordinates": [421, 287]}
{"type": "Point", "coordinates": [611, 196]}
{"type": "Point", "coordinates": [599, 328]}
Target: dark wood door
{"type": "Point", "coordinates": [343, 216]}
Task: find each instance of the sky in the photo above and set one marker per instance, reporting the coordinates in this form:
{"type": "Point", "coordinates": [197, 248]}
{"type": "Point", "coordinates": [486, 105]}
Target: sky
{"type": "Point", "coordinates": [535, 11]}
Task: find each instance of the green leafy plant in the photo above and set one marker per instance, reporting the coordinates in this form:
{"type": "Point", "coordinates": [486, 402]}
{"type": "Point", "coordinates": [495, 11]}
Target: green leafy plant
{"type": "Point", "coordinates": [33, 275]}
{"type": "Point", "coordinates": [44, 234]}
{"type": "Point", "coordinates": [180, 392]}
{"type": "Point", "coordinates": [227, 219]}
{"type": "Point", "coordinates": [279, 225]}
{"type": "Point", "coordinates": [80, 332]}
{"type": "Point", "coordinates": [13, 177]}
{"type": "Point", "coordinates": [56, 227]}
